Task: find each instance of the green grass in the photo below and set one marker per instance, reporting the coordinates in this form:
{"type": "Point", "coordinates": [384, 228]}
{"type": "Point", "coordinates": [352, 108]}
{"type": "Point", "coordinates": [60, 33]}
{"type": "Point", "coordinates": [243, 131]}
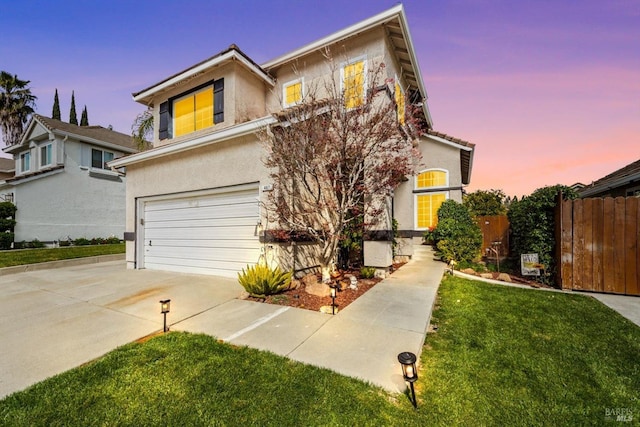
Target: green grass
{"type": "Point", "coordinates": [508, 356]}
{"type": "Point", "coordinates": [32, 256]}
{"type": "Point", "coordinates": [501, 356]}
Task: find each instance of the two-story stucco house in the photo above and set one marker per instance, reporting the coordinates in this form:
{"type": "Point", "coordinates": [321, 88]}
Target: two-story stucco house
{"type": "Point", "coordinates": [61, 183]}
{"type": "Point", "coordinates": [193, 200]}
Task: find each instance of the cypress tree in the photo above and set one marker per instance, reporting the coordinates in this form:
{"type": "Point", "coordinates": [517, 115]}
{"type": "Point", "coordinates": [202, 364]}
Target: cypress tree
{"type": "Point", "coordinates": [84, 119]}
{"type": "Point", "coordinates": [73, 117]}
{"type": "Point", "coordinates": [55, 114]}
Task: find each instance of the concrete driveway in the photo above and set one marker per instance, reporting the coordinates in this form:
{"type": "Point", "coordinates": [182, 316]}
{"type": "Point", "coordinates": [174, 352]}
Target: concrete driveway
{"type": "Point", "coordinates": [55, 320]}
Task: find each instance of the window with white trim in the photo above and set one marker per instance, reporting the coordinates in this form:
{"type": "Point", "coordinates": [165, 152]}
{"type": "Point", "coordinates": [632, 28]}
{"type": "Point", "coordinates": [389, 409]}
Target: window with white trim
{"type": "Point", "coordinates": [100, 158]}
{"type": "Point", "coordinates": [292, 92]}
{"type": "Point", "coordinates": [25, 162]}
{"type": "Point", "coordinates": [400, 104]}
{"type": "Point", "coordinates": [428, 202]}
{"type": "Point", "coordinates": [46, 155]}
{"type": "Point", "coordinates": [353, 82]}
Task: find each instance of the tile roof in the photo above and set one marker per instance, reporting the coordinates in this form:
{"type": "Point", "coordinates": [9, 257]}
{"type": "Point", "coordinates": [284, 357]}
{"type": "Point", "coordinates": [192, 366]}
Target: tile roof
{"type": "Point", "coordinates": [93, 132]}
{"type": "Point", "coordinates": [450, 138]}
{"type": "Point", "coordinates": [7, 165]}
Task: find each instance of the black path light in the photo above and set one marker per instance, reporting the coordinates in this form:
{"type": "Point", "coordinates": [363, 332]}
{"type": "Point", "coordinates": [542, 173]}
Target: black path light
{"type": "Point", "coordinates": [165, 306]}
{"type": "Point", "coordinates": [409, 372]}
{"type": "Point", "coordinates": [333, 298]}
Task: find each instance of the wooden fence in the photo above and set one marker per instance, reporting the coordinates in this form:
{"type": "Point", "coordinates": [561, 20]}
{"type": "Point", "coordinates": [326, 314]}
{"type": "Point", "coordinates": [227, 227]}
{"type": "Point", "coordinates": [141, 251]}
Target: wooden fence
{"type": "Point", "coordinates": [495, 235]}
{"type": "Point", "coordinates": [597, 245]}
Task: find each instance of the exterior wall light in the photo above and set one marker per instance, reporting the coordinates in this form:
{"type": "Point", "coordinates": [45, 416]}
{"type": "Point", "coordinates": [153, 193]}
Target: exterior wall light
{"type": "Point", "coordinates": [165, 307]}
{"type": "Point", "coordinates": [409, 372]}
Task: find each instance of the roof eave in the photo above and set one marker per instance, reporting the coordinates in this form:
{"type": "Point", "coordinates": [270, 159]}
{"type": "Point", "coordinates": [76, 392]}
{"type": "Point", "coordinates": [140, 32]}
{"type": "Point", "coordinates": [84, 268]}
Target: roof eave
{"type": "Point", "coordinates": [144, 96]}
{"type": "Point", "coordinates": [178, 147]}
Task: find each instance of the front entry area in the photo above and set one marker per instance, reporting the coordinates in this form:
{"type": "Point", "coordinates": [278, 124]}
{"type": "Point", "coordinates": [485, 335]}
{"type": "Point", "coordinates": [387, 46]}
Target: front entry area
{"type": "Point", "coordinates": [206, 232]}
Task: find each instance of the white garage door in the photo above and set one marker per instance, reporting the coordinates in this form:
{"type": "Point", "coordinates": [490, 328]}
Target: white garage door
{"type": "Point", "coordinates": [205, 234]}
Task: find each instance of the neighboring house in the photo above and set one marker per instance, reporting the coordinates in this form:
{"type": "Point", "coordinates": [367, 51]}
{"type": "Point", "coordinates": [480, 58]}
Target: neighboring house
{"type": "Point", "coordinates": [61, 183]}
{"type": "Point", "coordinates": [623, 182]}
{"type": "Point", "coordinates": [194, 199]}
{"type": "Point", "coordinates": [7, 170]}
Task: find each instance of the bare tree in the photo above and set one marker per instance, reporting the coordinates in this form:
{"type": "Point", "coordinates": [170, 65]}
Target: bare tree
{"type": "Point", "coordinates": [331, 165]}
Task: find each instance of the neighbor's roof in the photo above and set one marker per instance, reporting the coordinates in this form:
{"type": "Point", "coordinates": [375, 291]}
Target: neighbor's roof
{"type": "Point", "coordinates": [466, 152]}
{"type": "Point", "coordinates": [394, 22]}
{"type": "Point", "coordinates": [92, 134]}
{"type": "Point", "coordinates": [623, 176]}
{"type": "Point", "coordinates": [232, 53]}
{"type": "Point", "coordinates": [7, 165]}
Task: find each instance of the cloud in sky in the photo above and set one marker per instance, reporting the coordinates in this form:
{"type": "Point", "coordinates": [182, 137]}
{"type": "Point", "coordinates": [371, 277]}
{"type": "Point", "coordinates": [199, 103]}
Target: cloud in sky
{"type": "Point", "coordinates": [549, 91]}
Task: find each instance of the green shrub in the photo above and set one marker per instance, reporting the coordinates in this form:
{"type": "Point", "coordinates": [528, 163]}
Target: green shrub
{"type": "Point", "coordinates": [5, 240]}
{"type": "Point", "coordinates": [7, 210]}
{"type": "Point", "coordinates": [532, 222]}
{"type": "Point", "coordinates": [260, 280]}
{"type": "Point", "coordinates": [111, 240]}
{"type": "Point", "coordinates": [81, 241]}
{"type": "Point", "coordinates": [457, 237]}
{"type": "Point", "coordinates": [36, 244]}
{"type": "Point", "coordinates": [97, 241]}
{"type": "Point", "coordinates": [367, 272]}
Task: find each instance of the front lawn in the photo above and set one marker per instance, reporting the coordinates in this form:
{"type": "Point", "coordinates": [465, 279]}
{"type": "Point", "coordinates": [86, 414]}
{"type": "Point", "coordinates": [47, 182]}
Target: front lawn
{"type": "Point", "coordinates": [32, 256]}
{"type": "Point", "coordinates": [500, 356]}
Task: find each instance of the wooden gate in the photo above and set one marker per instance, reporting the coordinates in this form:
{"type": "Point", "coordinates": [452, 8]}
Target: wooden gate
{"type": "Point", "coordinates": [495, 235]}
{"type": "Point", "coordinates": [597, 244]}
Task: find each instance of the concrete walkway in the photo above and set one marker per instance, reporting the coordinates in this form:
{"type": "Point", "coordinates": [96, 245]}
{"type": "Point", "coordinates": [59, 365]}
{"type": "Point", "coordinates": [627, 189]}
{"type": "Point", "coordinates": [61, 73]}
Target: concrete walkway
{"type": "Point", "coordinates": [54, 320]}
{"type": "Point", "coordinates": [361, 341]}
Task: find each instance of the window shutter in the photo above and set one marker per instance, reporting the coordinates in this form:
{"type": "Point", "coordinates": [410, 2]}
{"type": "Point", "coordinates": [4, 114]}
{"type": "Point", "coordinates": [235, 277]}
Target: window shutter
{"type": "Point", "coordinates": [218, 101]}
{"type": "Point", "coordinates": [165, 119]}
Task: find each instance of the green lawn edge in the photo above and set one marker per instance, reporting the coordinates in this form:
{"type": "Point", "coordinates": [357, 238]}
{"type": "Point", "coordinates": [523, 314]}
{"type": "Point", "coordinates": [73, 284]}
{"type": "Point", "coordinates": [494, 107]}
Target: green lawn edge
{"type": "Point", "coordinates": [14, 258]}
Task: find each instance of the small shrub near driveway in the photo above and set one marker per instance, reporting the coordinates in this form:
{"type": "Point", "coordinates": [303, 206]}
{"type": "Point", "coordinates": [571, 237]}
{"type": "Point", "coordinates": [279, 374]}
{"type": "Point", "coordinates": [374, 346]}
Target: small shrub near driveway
{"type": "Point", "coordinates": [260, 281]}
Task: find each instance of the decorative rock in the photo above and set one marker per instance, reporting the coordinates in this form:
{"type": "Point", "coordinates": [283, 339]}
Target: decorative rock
{"type": "Point", "coordinates": [486, 275]}
{"type": "Point", "coordinates": [295, 284]}
{"type": "Point", "coordinates": [318, 289]}
{"type": "Point", "coordinates": [310, 279]}
{"type": "Point", "coordinates": [468, 271]}
{"type": "Point", "coordinates": [504, 277]}
{"type": "Point", "coordinates": [326, 309]}
{"type": "Point", "coordinates": [243, 295]}
{"type": "Point", "coordinates": [381, 273]}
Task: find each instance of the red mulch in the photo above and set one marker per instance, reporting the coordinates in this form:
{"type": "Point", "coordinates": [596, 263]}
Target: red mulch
{"type": "Point", "coordinates": [299, 298]}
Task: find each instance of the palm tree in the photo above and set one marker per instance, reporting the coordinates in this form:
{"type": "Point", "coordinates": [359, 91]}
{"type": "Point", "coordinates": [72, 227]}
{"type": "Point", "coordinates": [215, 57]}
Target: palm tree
{"type": "Point", "coordinates": [142, 129]}
{"type": "Point", "coordinates": [16, 105]}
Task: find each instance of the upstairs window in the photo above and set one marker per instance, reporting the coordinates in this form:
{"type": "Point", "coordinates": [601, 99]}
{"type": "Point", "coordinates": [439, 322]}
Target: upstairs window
{"type": "Point", "coordinates": [292, 93]}
{"type": "Point", "coordinates": [25, 162]}
{"type": "Point", "coordinates": [197, 109]}
{"type": "Point", "coordinates": [193, 112]}
{"type": "Point", "coordinates": [100, 158]}
{"type": "Point", "coordinates": [45, 155]}
{"type": "Point", "coordinates": [353, 83]}
{"type": "Point", "coordinates": [400, 106]}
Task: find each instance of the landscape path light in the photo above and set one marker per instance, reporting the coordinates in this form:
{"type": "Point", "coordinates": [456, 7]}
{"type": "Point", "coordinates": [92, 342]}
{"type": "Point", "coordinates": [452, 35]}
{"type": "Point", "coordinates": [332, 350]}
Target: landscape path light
{"type": "Point", "coordinates": [409, 372]}
{"type": "Point", "coordinates": [165, 307]}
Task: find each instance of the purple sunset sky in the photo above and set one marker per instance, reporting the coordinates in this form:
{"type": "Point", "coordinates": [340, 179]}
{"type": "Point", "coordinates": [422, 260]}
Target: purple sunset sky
{"type": "Point", "coordinates": [549, 91]}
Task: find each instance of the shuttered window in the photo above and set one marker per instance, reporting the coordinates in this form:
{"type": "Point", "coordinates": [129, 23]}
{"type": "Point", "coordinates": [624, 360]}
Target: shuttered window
{"type": "Point", "coordinates": [198, 109]}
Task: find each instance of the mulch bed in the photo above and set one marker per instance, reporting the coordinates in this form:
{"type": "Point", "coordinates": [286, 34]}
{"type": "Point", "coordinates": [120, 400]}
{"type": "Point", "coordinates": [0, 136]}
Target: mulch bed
{"type": "Point", "coordinates": [299, 298]}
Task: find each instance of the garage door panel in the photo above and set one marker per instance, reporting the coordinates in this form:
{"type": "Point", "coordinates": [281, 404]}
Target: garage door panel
{"type": "Point", "coordinates": [203, 201]}
{"type": "Point", "coordinates": [248, 221]}
{"type": "Point", "coordinates": [202, 233]}
{"type": "Point", "coordinates": [243, 210]}
{"type": "Point", "coordinates": [208, 234]}
{"type": "Point", "coordinates": [224, 253]}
